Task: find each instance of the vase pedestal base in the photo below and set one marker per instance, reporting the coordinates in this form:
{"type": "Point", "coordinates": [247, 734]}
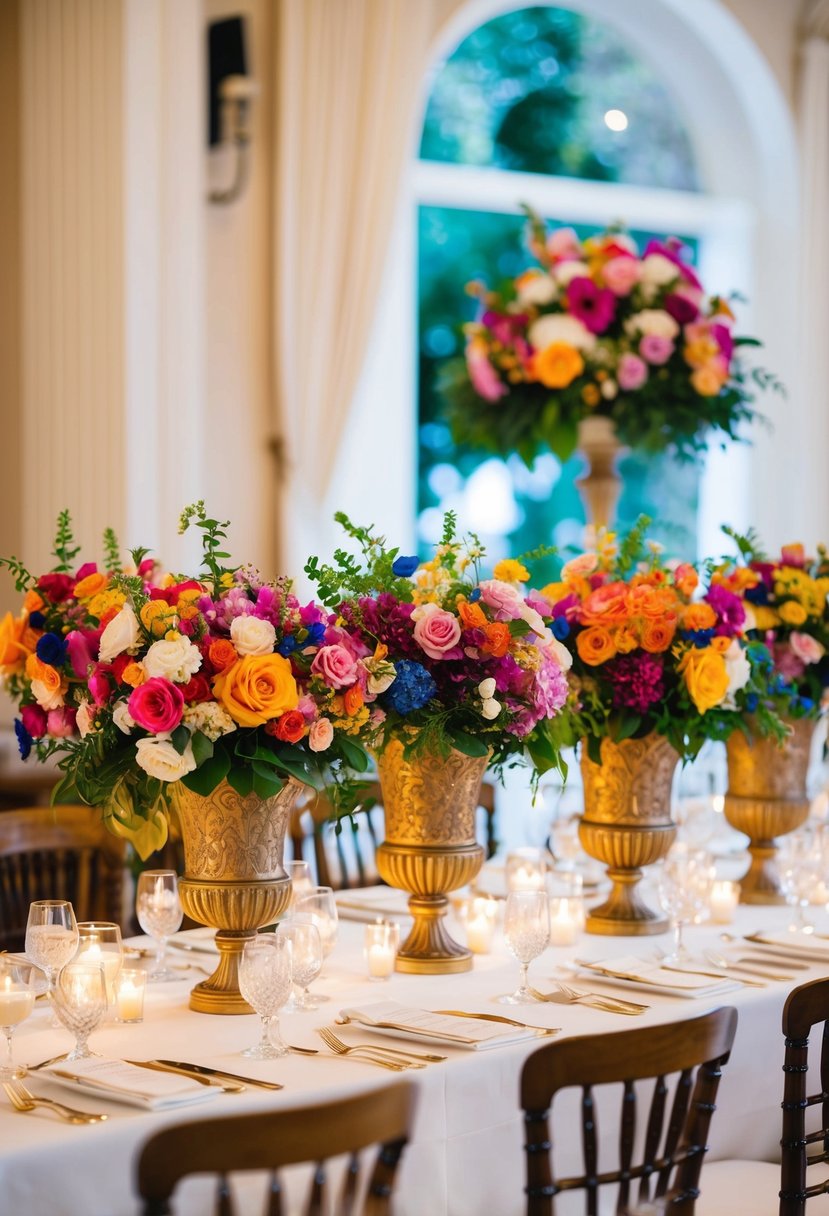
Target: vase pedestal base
{"type": "Point", "coordinates": [624, 913]}
{"type": "Point", "coordinates": [429, 949]}
{"type": "Point", "coordinates": [761, 883]}
{"type": "Point", "coordinates": [220, 993]}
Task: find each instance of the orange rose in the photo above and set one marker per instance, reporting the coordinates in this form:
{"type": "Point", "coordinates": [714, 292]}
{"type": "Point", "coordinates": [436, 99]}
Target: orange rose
{"type": "Point", "coordinates": [557, 365]}
{"type": "Point", "coordinates": [658, 635]}
{"type": "Point", "coordinates": [472, 615]}
{"type": "Point", "coordinates": [497, 639]}
{"type": "Point", "coordinates": [290, 728]}
{"type": "Point", "coordinates": [652, 602]}
{"type": "Point", "coordinates": [256, 688]}
{"type": "Point", "coordinates": [13, 649]}
{"type": "Point", "coordinates": [625, 640]}
{"type": "Point", "coordinates": [699, 616]}
{"type": "Point", "coordinates": [45, 672]}
{"type": "Point", "coordinates": [222, 654]}
{"type": "Point", "coordinates": [133, 674]}
{"type": "Point", "coordinates": [686, 578]}
{"type": "Point", "coordinates": [353, 700]}
{"type": "Point", "coordinates": [89, 586]}
{"type": "Point", "coordinates": [607, 605]}
{"type": "Point", "coordinates": [32, 602]}
{"type": "Point", "coordinates": [595, 645]}
{"type": "Point", "coordinates": [708, 380]}
{"type": "Point", "coordinates": [720, 645]}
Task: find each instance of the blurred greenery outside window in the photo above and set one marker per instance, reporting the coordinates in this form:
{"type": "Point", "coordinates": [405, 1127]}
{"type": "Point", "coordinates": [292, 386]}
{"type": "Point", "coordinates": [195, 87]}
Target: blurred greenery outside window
{"type": "Point", "coordinates": [535, 91]}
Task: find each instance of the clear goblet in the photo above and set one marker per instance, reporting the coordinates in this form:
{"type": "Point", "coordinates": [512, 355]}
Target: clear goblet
{"type": "Point", "coordinates": [160, 913]}
{"type": "Point", "coordinates": [99, 941]}
{"type": "Point", "coordinates": [305, 939]}
{"type": "Point", "coordinates": [682, 886]}
{"type": "Point", "coordinates": [299, 873]}
{"type": "Point", "coordinates": [320, 907]}
{"type": "Point", "coordinates": [265, 978]}
{"type": "Point", "coordinates": [527, 933]}
{"type": "Point", "coordinates": [81, 1003]}
{"type": "Point", "coordinates": [51, 936]}
{"type": "Point", "coordinates": [17, 1000]}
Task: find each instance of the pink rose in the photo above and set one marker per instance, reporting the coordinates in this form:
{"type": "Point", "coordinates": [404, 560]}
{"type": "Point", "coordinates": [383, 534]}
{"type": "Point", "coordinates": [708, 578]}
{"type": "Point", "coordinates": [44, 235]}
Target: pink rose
{"type": "Point", "coordinates": [60, 723]}
{"type": "Point", "coordinates": [807, 648]}
{"type": "Point", "coordinates": [563, 244]}
{"type": "Point", "coordinates": [157, 705]}
{"type": "Point", "coordinates": [632, 373]}
{"type": "Point", "coordinates": [621, 275]}
{"type": "Point", "coordinates": [485, 380]}
{"type": "Point", "coordinates": [82, 646]}
{"type": "Point", "coordinates": [336, 666]}
{"type": "Point", "coordinates": [320, 735]}
{"type": "Point", "coordinates": [34, 720]}
{"type": "Point", "coordinates": [786, 662]}
{"type": "Point", "coordinates": [656, 349]}
{"type": "Point", "coordinates": [579, 567]}
{"type": "Point", "coordinates": [307, 706]}
{"type": "Point", "coordinates": [505, 601]}
{"type": "Point", "coordinates": [99, 685]}
{"type": "Point", "coordinates": [437, 632]}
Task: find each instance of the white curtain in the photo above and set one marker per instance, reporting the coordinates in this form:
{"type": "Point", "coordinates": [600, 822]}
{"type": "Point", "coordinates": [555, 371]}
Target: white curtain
{"type": "Point", "coordinates": [349, 75]}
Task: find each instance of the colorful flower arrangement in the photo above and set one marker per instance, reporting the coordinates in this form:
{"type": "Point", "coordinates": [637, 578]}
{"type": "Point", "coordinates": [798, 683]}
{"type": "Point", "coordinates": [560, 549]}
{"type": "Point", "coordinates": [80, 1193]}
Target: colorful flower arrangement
{"type": "Point", "coordinates": [783, 604]}
{"type": "Point", "coordinates": [442, 657]}
{"type": "Point", "coordinates": [141, 680]}
{"type": "Point", "coordinates": [646, 655]}
{"type": "Point", "coordinates": [598, 328]}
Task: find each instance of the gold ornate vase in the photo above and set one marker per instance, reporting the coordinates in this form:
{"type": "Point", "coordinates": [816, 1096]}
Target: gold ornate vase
{"type": "Point", "coordinates": [767, 798]}
{"type": "Point", "coordinates": [627, 824]}
{"type": "Point", "coordinates": [430, 847]}
{"type": "Point", "coordinates": [600, 485]}
{"type": "Point", "coordinates": [233, 877]}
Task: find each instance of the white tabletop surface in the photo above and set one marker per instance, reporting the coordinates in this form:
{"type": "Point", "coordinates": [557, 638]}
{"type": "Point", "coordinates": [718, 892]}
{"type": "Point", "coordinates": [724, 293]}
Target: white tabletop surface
{"type": "Point", "coordinates": [465, 1157]}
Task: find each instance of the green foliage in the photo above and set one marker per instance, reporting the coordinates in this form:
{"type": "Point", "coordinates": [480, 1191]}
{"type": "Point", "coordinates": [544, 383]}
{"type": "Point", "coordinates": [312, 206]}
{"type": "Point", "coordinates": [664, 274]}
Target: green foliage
{"type": "Point", "coordinates": [213, 537]}
{"type": "Point", "coordinates": [112, 551]}
{"type": "Point", "coordinates": [65, 550]}
{"type": "Point", "coordinates": [23, 580]}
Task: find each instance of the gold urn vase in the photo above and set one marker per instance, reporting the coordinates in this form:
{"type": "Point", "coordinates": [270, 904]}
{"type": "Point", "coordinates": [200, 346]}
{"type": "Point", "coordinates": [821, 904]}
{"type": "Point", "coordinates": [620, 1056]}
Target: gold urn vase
{"type": "Point", "coordinates": [233, 877]}
{"type": "Point", "coordinates": [766, 799]}
{"type": "Point", "coordinates": [430, 847]}
{"type": "Point", "coordinates": [600, 485]}
{"type": "Point", "coordinates": [627, 825]}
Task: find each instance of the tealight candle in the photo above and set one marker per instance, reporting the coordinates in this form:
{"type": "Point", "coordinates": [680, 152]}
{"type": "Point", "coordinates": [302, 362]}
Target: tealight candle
{"type": "Point", "coordinates": [108, 959]}
{"type": "Point", "coordinates": [16, 1002]}
{"type": "Point", "coordinates": [129, 996]}
{"type": "Point", "coordinates": [480, 924]}
{"type": "Point", "coordinates": [526, 870]}
{"type": "Point", "coordinates": [380, 949]}
{"type": "Point", "coordinates": [725, 896]}
{"type": "Point", "coordinates": [566, 917]}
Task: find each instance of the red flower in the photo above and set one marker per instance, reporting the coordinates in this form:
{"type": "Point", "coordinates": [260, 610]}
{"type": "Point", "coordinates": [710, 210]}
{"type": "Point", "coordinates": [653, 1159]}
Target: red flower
{"type": "Point", "coordinates": [197, 689]}
{"type": "Point", "coordinates": [56, 587]}
{"type": "Point", "coordinates": [289, 728]}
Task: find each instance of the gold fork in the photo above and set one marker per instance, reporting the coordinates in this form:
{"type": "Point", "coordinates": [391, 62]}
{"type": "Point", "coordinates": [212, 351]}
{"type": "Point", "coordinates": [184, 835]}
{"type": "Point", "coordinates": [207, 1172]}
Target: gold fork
{"type": "Point", "coordinates": [23, 1100]}
{"type": "Point", "coordinates": [366, 1054]}
{"type": "Point", "coordinates": [609, 1004]}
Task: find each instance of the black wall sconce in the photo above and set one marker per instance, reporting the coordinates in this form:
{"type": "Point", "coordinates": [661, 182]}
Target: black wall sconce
{"type": "Point", "coordinates": [230, 96]}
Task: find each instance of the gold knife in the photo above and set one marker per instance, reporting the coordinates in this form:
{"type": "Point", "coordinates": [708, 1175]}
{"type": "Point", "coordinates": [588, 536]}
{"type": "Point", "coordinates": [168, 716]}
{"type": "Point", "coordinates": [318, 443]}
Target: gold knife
{"type": "Point", "coordinates": [203, 1071]}
{"type": "Point", "coordinates": [230, 1087]}
{"type": "Point", "coordinates": [496, 1017]}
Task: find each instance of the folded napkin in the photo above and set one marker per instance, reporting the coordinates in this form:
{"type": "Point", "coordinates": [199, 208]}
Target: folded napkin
{"type": "Point", "coordinates": [406, 1022]}
{"type": "Point", "coordinates": [201, 941]}
{"type": "Point", "coordinates": [798, 945]}
{"type": "Point", "coordinates": [369, 903]}
{"type": "Point", "coordinates": [121, 1082]}
{"type": "Point", "coordinates": [651, 976]}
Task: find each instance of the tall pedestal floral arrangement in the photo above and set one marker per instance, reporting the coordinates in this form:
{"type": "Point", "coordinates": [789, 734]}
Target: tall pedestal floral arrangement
{"type": "Point", "coordinates": [445, 672]}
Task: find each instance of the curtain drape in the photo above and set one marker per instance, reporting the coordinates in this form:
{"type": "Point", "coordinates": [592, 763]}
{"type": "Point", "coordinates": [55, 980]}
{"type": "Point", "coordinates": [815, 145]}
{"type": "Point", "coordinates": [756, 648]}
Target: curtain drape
{"type": "Point", "coordinates": [349, 74]}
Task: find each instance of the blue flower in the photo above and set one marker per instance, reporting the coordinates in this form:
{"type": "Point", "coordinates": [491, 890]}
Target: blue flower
{"type": "Point", "coordinates": [806, 704]}
{"type": "Point", "coordinates": [316, 633]}
{"type": "Point", "coordinates": [37, 620]}
{"type": "Point", "coordinates": [475, 595]}
{"type": "Point", "coordinates": [24, 739]}
{"type": "Point", "coordinates": [561, 628]}
{"type": "Point", "coordinates": [412, 687]}
{"type": "Point", "coordinates": [403, 567]}
{"type": "Point", "coordinates": [758, 594]}
{"type": "Point", "coordinates": [752, 701]}
{"type": "Point", "coordinates": [51, 649]}
{"type": "Point", "coordinates": [286, 646]}
{"type": "Point", "coordinates": [698, 637]}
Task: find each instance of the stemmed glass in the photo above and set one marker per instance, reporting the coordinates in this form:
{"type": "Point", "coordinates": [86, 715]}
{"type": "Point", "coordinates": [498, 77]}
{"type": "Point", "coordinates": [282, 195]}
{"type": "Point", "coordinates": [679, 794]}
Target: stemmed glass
{"type": "Point", "coordinates": [17, 1000]}
{"type": "Point", "coordinates": [81, 1003]}
{"type": "Point", "coordinates": [299, 873]}
{"type": "Point", "coordinates": [265, 978]}
{"type": "Point", "coordinates": [51, 936]}
{"type": "Point", "coordinates": [305, 939]}
{"type": "Point", "coordinates": [682, 887]}
{"type": "Point", "coordinates": [799, 865]}
{"type": "Point", "coordinates": [527, 933]}
{"type": "Point", "coordinates": [320, 908]}
{"type": "Point", "coordinates": [159, 911]}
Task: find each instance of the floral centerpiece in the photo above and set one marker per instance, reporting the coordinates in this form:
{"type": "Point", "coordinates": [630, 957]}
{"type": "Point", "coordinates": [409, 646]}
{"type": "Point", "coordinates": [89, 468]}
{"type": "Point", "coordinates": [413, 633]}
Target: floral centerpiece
{"type": "Point", "coordinates": [142, 681]}
{"type": "Point", "coordinates": [600, 328]}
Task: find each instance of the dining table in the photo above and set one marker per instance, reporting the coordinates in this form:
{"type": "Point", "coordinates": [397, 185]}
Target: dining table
{"type": "Point", "coordinates": [465, 1155]}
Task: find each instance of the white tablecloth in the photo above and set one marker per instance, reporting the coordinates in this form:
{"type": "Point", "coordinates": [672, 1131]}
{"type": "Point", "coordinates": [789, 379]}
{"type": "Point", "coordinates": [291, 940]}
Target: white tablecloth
{"type": "Point", "coordinates": [465, 1157]}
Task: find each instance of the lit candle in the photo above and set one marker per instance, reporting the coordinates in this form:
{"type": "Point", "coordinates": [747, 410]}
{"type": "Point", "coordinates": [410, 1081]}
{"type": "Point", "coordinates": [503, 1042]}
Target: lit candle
{"type": "Point", "coordinates": [480, 925]}
{"type": "Point", "coordinates": [526, 870]}
{"type": "Point", "coordinates": [380, 950]}
{"type": "Point", "coordinates": [16, 1002]}
{"type": "Point", "coordinates": [129, 997]}
{"type": "Point", "coordinates": [110, 960]}
{"type": "Point", "coordinates": [564, 921]}
{"type": "Point", "coordinates": [723, 901]}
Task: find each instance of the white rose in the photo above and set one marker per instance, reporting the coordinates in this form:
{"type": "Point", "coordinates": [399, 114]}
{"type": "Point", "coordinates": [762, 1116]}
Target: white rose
{"type": "Point", "coordinates": [381, 674]}
{"type": "Point", "coordinates": [486, 689]}
{"type": "Point", "coordinates": [84, 718]}
{"type": "Point", "coordinates": [560, 653]}
{"type": "Point", "coordinates": [157, 756]}
{"type": "Point", "coordinates": [659, 271]}
{"type": "Point", "coordinates": [424, 610]}
{"type": "Point", "coordinates": [175, 660]}
{"type": "Point", "coordinates": [122, 718]}
{"type": "Point", "coordinates": [534, 619]}
{"type": "Point", "coordinates": [491, 708]}
{"type": "Point", "coordinates": [565, 271]}
{"type": "Point", "coordinates": [556, 327]}
{"type": "Point", "coordinates": [739, 672]}
{"type": "Point", "coordinates": [652, 321]}
{"type": "Point", "coordinates": [250, 635]}
{"type": "Point", "coordinates": [122, 634]}
{"type": "Point", "coordinates": [46, 697]}
{"type": "Point", "coordinates": [536, 289]}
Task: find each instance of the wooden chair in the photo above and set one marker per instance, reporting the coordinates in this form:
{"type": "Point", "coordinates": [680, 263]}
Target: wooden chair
{"type": "Point", "coordinates": [274, 1139]}
{"type": "Point", "coordinates": [766, 1189]}
{"type": "Point", "coordinates": [671, 1156]}
{"type": "Point", "coordinates": [60, 852]}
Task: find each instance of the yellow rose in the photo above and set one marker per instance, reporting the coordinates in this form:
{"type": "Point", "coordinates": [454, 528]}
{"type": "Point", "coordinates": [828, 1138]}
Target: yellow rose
{"type": "Point", "coordinates": [158, 617]}
{"type": "Point", "coordinates": [92, 585]}
{"type": "Point", "coordinates": [707, 380]}
{"type": "Point", "coordinates": [13, 650]}
{"type": "Point", "coordinates": [792, 613]}
{"type": "Point", "coordinates": [557, 365]}
{"type": "Point", "coordinates": [706, 677]}
{"type": "Point", "coordinates": [257, 688]}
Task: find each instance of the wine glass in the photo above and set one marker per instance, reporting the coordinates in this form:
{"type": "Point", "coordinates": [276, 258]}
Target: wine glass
{"type": "Point", "coordinates": [305, 939]}
{"type": "Point", "coordinates": [99, 941]}
{"type": "Point", "coordinates": [299, 873]}
{"type": "Point", "coordinates": [527, 933]}
{"type": "Point", "coordinates": [682, 886]}
{"type": "Point", "coordinates": [320, 907]}
{"type": "Point", "coordinates": [265, 978]}
{"type": "Point", "coordinates": [159, 911]}
{"type": "Point", "coordinates": [51, 936]}
{"type": "Point", "coordinates": [799, 867]}
{"type": "Point", "coordinates": [17, 1000]}
{"type": "Point", "coordinates": [81, 1003]}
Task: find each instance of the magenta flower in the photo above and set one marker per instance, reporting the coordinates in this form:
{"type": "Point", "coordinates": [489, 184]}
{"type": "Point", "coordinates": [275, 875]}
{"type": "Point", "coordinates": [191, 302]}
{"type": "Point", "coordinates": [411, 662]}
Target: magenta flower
{"type": "Point", "coordinates": [34, 719]}
{"type": "Point", "coordinates": [157, 705]}
{"type": "Point", "coordinates": [728, 607]}
{"type": "Point", "coordinates": [485, 380]}
{"type": "Point", "coordinates": [636, 681]}
{"type": "Point", "coordinates": [632, 373]}
{"type": "Point", "coordinates": [682, 306]}
{"type": "Point", "coordinates": [594, 306]}
{"type": "Point", "coordinates": [655, 349]}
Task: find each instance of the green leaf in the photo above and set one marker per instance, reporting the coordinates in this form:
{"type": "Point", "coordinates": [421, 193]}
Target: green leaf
{"type": "Point", "coordinates": [180, 738]}
{"type": "Point", "coordinates": [354, 755]}
{"type": "Point", "coordinates": [202, 747]}
{"type": "Point", "coordinates": [266, 783]}
{"type": "Point", "coordinates": [207, 776]}
{"type": "Point", "coordinates": [241, 780]}
{"type": "Point", "coordinates": [519, 628]}
{"type": "Point", "coordinates": [468, 745]}
{"type": "Point", "coordinates": [295, 763]}
{"type": "Point", "coordinates": [623, 726]}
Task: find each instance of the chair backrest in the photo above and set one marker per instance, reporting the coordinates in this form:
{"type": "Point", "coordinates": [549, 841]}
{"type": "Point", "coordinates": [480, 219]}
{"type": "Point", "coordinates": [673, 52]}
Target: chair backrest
{"type": "Point", "coordinates": [672, 1153]}
{"type": "Point", "coordinates": [272, 1140]}
{"type": "Point", "coordinates": [805, 1007]}
{"type": "Point", "coordinates": [60, 852]}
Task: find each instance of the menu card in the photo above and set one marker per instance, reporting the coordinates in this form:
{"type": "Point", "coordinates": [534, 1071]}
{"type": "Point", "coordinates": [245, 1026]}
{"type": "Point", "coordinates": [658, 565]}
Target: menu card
{"type": "Point", "coordinates": [673, 981]}
{"type": "Point", "coordinates": [122, 1082]}
{"type": "Point", "coordinates": [404, 1021]}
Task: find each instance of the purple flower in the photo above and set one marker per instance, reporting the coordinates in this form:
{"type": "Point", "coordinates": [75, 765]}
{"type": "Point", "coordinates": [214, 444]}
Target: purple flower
{"type": "Point", "coordinates": [656, 349]}
{"type": "Point", "coordinates": [550, 690]}
{"type": "Point", "coordinates": [632, 372]}
{"type": "Point", "coordinates": [594, 306]}
{"type": "Point", "coordinates": [672, 250]}
{"type": "Point", "coordinates": [728, 607]}
{"type": "Point", "coordinates": [636, 681]}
